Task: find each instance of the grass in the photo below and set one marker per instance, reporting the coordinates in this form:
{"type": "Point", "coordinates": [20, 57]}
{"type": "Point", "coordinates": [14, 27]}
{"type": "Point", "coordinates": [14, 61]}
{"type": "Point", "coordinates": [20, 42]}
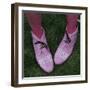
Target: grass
{"type": "Point", "coordinates": [54, 25]}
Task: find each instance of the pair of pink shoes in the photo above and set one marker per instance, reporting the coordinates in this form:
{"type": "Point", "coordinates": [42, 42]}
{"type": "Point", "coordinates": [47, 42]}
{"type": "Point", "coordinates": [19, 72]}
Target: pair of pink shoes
{"type": "Point", "coordinates": [43, 54]}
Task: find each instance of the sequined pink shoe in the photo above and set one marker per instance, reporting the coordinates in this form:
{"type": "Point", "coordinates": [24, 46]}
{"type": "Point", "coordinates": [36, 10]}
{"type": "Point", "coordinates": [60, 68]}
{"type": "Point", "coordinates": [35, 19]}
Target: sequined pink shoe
{"type": "Point", "coordinates": [65, 47]}
{"type": "Point", "coordinates": [42, 53]}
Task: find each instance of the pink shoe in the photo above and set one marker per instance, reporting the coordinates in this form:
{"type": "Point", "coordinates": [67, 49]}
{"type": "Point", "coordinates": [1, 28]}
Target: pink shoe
{"type": "Point", "coordinates": [42, 53]}
{"type": "Point", "coordinates": [65, 47]}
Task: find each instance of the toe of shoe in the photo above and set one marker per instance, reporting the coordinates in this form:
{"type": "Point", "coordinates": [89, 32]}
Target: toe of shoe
{"type": "Point", "coordinates": [46, 64]}
{"type": "Point", "coordinates": [58, 60]}
{"type": "Point", "coordinates": [48, 67]}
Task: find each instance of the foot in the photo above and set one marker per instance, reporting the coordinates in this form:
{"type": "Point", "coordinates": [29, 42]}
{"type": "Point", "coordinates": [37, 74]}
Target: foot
{"type": "Point", "coordinates": [42, 52]}
{"type": "Point", "coordinates": [65, 47]}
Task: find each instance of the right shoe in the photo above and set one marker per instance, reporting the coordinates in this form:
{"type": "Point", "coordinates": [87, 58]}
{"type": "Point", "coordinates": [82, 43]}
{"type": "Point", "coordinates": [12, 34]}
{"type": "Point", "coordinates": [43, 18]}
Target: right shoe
{"type": "Point", "coordinates": [42, 52]}
{"type": "Point", "coordinates": [65, 48]}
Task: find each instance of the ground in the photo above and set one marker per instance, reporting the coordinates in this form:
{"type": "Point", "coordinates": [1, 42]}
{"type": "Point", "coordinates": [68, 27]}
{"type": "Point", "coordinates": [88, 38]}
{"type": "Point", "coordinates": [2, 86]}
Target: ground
{"type": "Point", "coordinates": [54, 25]}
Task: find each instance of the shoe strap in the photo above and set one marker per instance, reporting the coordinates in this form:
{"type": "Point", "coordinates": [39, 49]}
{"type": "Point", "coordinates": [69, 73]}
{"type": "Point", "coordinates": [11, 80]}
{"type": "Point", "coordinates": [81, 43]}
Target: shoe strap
{"type": "Point", "coordinates": [68, 39]}
{"type": "Point", "coordinates": [43, 45]}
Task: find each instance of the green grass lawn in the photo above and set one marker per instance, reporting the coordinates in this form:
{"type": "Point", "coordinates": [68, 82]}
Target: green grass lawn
{"type": "Point", "coordinates": [54, 25]}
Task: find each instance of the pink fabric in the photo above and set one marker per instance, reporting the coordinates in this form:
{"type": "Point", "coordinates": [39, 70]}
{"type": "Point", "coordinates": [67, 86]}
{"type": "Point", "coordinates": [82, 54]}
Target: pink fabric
{"type": "Point", "coordinates": [71, 22]}
{"type": "Point", "coordinates": [43, 55]}
{"type": "Point", "coordinates": [34, 20]}
{"type": "Point", "coordinates": [64, 49]}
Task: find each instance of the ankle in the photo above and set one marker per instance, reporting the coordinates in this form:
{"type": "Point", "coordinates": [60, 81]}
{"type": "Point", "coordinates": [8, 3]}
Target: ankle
{"type": "Point", "coordinates": [71, 29]}
{"type": "Point", "coordinates": [38, 32]}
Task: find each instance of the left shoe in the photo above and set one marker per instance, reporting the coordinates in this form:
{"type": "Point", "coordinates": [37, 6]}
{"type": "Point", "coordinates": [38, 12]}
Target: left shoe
{"type": "Point", "coordinates": [65, 47]}
{"type": "Point", "coordinates": [42, 52]}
